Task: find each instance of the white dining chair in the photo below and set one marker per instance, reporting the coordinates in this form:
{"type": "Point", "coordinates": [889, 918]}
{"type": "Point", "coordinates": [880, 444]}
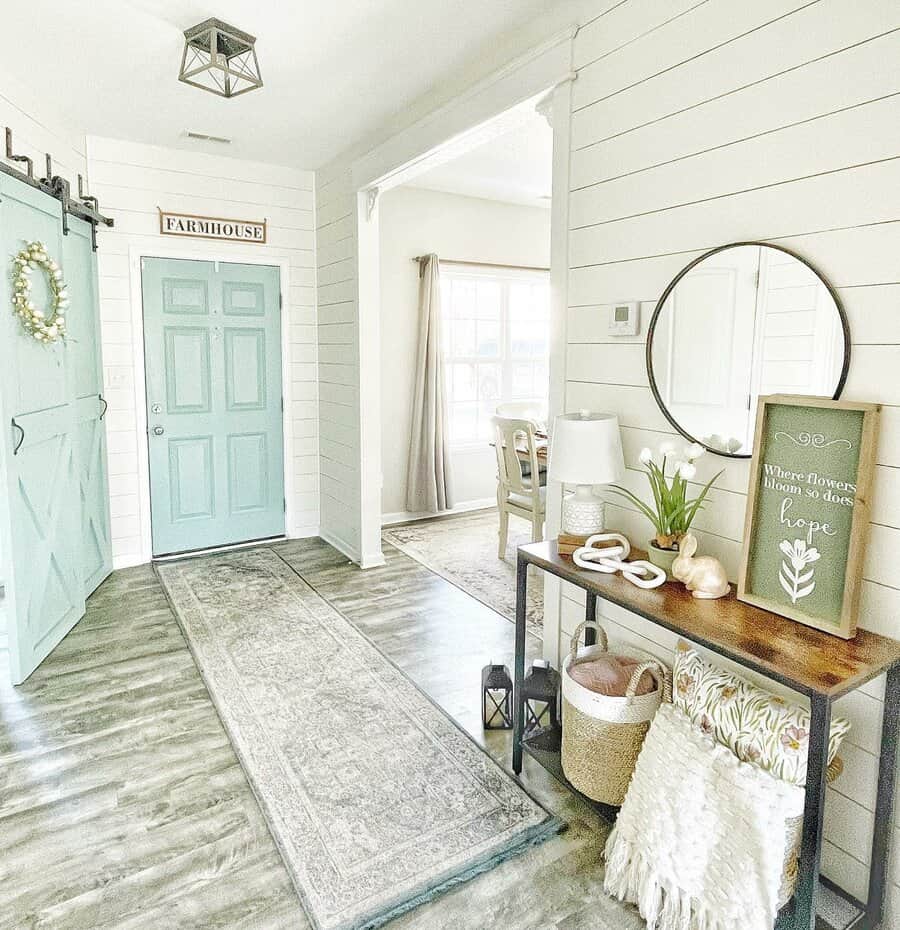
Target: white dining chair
{"type": "Point", "coordinates": [516, 494]}
{"type": "Point", "coordinates": [535, 411]}
{"type": "Point", "coordinates": [524, 410]}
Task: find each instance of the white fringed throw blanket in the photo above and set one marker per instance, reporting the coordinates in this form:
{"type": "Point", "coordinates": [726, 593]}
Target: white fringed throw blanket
{"type": "Point", "coordinates": [700, 842]}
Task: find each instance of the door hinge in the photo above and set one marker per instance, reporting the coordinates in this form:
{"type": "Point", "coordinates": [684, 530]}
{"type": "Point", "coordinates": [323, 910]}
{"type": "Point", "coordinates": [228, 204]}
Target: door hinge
{"type": "Point", "coordinates": [284, 504]}
{"type": "Point", "coordinates": [282, 405]}
{"type": "Point", "coordinates": [280, 301]}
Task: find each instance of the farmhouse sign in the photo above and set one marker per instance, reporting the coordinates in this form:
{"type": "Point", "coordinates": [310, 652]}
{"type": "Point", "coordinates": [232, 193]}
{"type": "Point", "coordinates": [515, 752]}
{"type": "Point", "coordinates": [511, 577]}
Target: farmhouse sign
{"type": "Point", "coordinates": [808, 509]}
{"type": "Point", "coordinates": [211, 227]}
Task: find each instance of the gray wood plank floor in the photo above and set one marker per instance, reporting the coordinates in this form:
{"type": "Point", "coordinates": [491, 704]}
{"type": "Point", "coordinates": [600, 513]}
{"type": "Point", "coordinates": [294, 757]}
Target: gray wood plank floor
{"type": "Point", "coordinates": [122, 804]}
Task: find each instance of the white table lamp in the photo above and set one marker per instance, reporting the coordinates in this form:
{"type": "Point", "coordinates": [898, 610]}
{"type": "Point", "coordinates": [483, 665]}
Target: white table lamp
{"type": "Point", "coordinates": [585, 450]}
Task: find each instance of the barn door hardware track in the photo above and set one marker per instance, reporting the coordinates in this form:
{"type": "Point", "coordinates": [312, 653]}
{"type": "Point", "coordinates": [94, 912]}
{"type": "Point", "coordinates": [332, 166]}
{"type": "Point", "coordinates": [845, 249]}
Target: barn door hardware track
{"type": "Point", "coordinates": [85, 207]}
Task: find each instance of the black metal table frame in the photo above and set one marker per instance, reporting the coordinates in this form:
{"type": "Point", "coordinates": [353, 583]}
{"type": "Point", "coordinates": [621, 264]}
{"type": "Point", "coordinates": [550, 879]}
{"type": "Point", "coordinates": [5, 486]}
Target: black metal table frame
{"type": "Point", "coordinates": [802, 916]}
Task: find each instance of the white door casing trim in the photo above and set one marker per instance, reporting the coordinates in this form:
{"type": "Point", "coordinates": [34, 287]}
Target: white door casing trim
{"type": "Point", "coordinates": [197, 251]}
{"type": "Point", "coordinates": [561, 120]}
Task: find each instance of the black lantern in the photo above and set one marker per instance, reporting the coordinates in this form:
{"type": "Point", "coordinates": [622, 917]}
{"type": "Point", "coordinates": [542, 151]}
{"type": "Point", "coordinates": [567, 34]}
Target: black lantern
{"type": "Point", "coordinates": [496, 697]}
{"type": "Point", "coordinates": [541, 691]}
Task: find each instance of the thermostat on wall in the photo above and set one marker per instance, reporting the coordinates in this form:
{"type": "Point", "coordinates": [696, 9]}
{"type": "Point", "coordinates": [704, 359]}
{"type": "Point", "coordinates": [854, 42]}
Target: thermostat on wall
{"type": "Point", "coordinates": [624, 319]}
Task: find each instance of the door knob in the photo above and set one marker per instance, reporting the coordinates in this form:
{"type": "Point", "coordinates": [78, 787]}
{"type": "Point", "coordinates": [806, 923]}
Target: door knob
{"type": "Point", "coordinates": [158, 431]}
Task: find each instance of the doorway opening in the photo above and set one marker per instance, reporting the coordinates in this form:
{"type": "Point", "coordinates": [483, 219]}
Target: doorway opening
{"type": "Point", "coordinates": [491, 203]}
{"type": "Point", "coordinates": [486, 214]}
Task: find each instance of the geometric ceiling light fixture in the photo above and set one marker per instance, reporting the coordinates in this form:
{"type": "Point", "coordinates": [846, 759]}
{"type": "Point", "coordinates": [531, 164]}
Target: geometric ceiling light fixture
{"type": "Point", "coordinates": [219, 58]}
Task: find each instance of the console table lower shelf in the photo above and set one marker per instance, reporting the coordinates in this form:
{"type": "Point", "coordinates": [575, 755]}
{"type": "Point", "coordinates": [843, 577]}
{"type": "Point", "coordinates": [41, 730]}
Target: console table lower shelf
{"type": "Point", "coordinates": [835, 910]}
{"type": "Point", "coordinates": [819, 666]}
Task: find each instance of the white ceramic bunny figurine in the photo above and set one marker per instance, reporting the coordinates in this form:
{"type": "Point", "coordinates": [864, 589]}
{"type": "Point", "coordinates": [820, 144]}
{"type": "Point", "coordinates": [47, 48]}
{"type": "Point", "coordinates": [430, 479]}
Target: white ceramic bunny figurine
{"type": "Point", "coordinates": [704, 576]}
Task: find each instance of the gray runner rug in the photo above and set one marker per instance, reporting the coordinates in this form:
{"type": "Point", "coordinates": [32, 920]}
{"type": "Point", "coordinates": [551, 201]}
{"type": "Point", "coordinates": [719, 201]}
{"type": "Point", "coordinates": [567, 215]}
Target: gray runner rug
{"type": "Point", "coordinates": [376, 799]}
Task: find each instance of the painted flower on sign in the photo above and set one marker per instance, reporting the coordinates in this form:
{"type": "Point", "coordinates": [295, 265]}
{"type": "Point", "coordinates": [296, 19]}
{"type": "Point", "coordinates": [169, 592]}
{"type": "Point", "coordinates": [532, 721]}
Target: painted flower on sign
{"type": "Point", "coordinates": [795, 580]}
{"type": "Point", "coordinates": [799, 555]}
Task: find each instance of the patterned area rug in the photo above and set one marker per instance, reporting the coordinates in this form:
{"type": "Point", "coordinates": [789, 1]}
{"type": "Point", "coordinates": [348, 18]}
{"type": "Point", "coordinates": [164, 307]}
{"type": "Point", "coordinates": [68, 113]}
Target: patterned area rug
{"type": "Point", "coordinates": [376, 799]}
{"type": "Point", "coordinates": [463, 549]}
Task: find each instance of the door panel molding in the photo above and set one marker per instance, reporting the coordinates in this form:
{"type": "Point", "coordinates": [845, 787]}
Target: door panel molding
{"type": "Point", "coordinates": [247, 471]}
{"type": "Point", "coordinates": [187, 366]}
{"type": "Point", "coordinates": [240, 382]}
{"type": "Point", "coordinates": [177, 296]}
{"type": "Point", "coordinates": [234, 299]}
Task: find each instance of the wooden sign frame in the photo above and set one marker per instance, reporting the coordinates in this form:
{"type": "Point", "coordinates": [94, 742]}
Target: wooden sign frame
{"type": "Point", "coordinates": [214, 227]}
{"type": "Point", "coordinates": [856, 543]}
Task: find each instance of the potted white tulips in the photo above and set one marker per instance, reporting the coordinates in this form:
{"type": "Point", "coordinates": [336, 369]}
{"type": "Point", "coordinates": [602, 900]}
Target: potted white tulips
{"type": "Point", "coordinates": [671, 512]}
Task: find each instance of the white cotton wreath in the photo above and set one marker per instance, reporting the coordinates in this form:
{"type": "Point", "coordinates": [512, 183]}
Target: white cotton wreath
{"type": "Point", "coordinates": [48, 325]}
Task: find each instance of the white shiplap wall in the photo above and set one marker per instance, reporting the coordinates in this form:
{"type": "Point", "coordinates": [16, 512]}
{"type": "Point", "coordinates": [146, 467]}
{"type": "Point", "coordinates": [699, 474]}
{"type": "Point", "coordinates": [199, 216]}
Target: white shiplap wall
{"type": "Point", "coordinates": [37, 131]}
{"type": "Point", "coordinates": [132, 180]}
{"type": "Point", "coordinates": [699, 123]}
{"type": "Point", "coordinates": [338, 340]}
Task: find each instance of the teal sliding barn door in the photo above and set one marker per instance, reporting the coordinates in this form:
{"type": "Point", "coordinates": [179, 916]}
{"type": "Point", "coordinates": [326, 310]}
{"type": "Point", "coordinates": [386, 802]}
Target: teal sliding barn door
{"type": "Point", "coordinates": [212, 340]}
{"type": "Point", "coordinates": [41, 526]}
{"type": "Point", "coordinates": [83, 350]}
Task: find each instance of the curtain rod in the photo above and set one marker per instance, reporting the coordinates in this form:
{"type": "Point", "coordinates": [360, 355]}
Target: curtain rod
{"type": "Point", "coordinates": [449, 261]}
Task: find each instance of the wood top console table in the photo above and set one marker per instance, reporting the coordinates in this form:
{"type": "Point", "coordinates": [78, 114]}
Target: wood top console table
{"type": "Point", "coordinates": [818, 665]}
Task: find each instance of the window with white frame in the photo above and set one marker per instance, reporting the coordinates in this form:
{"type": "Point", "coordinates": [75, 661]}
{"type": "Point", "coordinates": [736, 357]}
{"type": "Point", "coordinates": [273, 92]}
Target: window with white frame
{"type": "Point", "coordinates": [496, 344]}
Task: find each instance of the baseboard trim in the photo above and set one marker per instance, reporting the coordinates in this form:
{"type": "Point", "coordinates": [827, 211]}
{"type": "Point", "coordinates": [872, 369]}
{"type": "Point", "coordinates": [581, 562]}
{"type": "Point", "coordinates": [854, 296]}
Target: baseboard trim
{"type": "Point", "coordinates": [128, 561]}
{"type": "Point", "coordinates": [391, 519]}
{"type": "Point", "coordinates": [307, 532]}
{"type": "Point", "coordinates": [373, 561]}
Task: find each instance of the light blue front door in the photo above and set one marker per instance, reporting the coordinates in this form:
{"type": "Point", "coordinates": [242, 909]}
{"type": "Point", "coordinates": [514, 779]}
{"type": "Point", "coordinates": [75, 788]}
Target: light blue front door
{"type": "Point", "coordinates": [212, 340]}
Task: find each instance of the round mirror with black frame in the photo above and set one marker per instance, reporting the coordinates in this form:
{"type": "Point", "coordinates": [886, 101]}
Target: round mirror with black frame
{"type": "Point", "coordinates": [741, 321]}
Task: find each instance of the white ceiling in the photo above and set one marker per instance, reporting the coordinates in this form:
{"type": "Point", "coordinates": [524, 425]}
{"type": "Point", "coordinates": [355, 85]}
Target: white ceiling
{"type": "Point", "coordinates": [515, 166]}
{"type": "Point", "coordinates": [334, 70]}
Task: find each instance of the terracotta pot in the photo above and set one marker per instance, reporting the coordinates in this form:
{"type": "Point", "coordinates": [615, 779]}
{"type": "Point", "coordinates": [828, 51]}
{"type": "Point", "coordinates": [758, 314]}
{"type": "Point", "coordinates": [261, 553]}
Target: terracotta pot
{"type": "Point", "coordinates": [661, 558]}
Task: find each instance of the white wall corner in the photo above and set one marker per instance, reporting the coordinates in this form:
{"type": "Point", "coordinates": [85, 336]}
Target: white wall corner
{"type": "Point", "coordinates": [369, 322]}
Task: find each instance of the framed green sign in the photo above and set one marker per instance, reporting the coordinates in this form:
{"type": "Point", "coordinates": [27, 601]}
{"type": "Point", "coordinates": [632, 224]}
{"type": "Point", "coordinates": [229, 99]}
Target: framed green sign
{"type": "Point", "coordinates": [808, 509]}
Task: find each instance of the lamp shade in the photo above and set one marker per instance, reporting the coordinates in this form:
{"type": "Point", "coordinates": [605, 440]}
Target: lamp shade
{"type": "Point", "coordinates": [586, 448]}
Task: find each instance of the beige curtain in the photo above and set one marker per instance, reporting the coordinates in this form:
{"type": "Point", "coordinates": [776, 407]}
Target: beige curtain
{"type": "Point", "coordinates": [428, 486]}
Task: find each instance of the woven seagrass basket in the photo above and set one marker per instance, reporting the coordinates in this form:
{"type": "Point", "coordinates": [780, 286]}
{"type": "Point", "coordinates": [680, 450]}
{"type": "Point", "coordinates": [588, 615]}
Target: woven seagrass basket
{"type": "Point", "coordinates": [601, 734]}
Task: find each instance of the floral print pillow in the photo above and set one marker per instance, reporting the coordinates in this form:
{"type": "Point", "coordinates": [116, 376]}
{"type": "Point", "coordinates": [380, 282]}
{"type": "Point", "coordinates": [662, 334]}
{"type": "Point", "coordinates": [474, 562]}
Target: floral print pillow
{"type": "Point", "coordinates": [757, 726]}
